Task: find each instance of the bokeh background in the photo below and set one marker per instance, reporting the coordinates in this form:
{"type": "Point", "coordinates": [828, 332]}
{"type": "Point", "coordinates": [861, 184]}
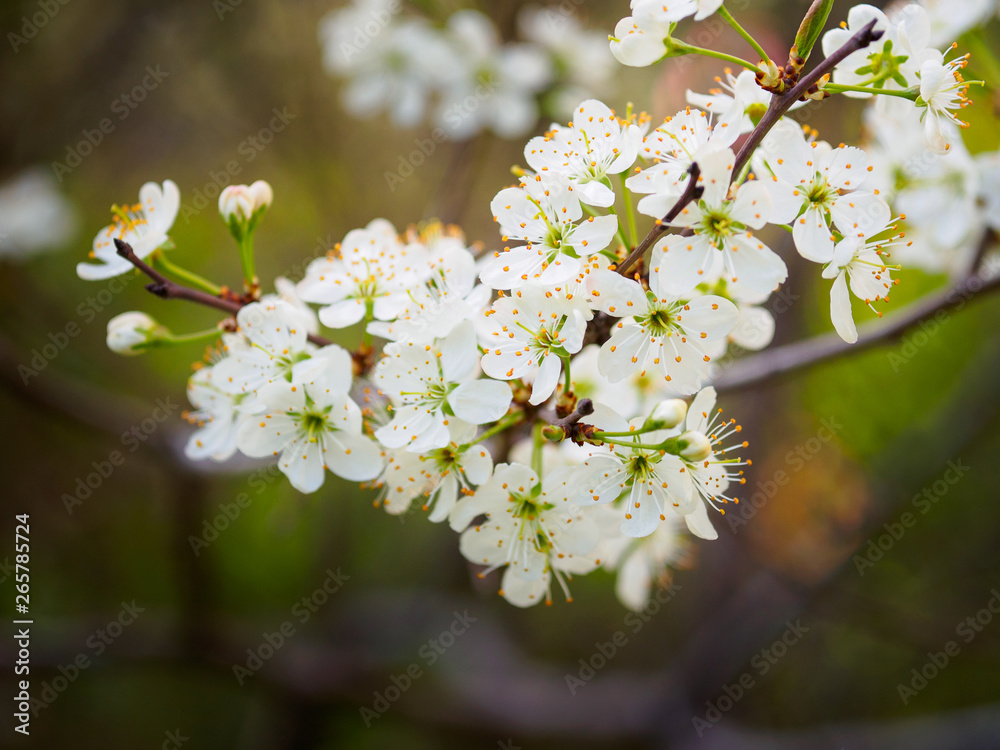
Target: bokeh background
{"type": "Point", "coordinates": [839, 451]}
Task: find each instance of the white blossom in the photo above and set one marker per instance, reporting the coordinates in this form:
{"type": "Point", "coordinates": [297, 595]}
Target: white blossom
{"type": "Point", "coordinates": [596, 144]}
{"type": "Point", "coordinates": [531, 527]}
{"type": "Point", "coordinates": [722, 234]}
{"type": "Point", "coordinates": [143, 225]}
{"type": "Point", "coordinates": [659, 332]}
{"type": "Point", "coordinates": [545, 214]}
{"type": "Point", "coordinates": [530, 333]}
{"type": "Point", "coordinates": [813, 184]}
{"type": "Point", "coordinates": [369, 274]}
{"type": "Point", "coordinates": [311, 424]}
{"type": "Point", "coordinates": [430, 385]}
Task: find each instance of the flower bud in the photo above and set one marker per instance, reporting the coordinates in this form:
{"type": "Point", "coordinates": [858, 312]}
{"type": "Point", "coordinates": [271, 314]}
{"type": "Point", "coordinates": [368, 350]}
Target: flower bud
{"type": "Point", "coordinates": [667, 414]}
{"type": "Point", "coordinates": [242, 202]}
{"type": "Point", "coordinates": [130, 332]}
{"type": "Point", "coordinates": [697, 448]}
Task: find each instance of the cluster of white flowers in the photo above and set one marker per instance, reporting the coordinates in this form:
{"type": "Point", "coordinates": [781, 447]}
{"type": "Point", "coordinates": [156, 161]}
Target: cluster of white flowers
{"type": "Point", "coordinates": [535, 396]}
{"type": "Point", "coordinates": [462, 76]}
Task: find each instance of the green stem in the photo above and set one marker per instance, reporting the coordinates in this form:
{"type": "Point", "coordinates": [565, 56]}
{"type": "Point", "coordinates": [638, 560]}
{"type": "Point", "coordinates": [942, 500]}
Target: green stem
{"type": "Point", "coordinates": [538, 445]}
{"type": "Point", "coordinates": [728, 17]}
{"type": "Point", "coordinates": [504, 423]}
{"type": "Point", "coordinates": [603, 438]}
{"type": "Point", "coordinates": [630, 214]}
{"type": "Point", "coordinates": [837, 88]}
{"type": "Point", "coordinates": [246, 258]}
{"type": "Point", "coordinates": [186, 338]}
{"type": "Point", "coordinates": [692, 50]}
{"type": "Point", "coordinates": [188, 276]}
{"type": "Point", "coordinates": [568, 379]}
{"type": "Point", "coordinates": [631, 433]}
{"type": "Point", "coordinates": [366, 337]}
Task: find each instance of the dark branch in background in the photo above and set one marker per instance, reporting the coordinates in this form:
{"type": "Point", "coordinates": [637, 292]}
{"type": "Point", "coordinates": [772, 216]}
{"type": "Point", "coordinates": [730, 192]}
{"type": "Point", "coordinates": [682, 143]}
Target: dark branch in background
{"type": "Point", "coordinates": [783, 360]}
{"type": "Point", "coordinates": [691, 192]}
{"type": "Point", "coordinates": [166, 289]}
{"type": "Point", "coordinates": [781, 103]}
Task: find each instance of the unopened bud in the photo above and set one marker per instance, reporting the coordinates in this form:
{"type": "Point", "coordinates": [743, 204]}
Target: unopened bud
{"type": "Point", "coordinates": [242, 202]}
{"type": "Point", "coordinates": [697, 446]}
{"type": "Point", "coordinates": [553, 433]}
{"type": "Point", "coordinates": [130, 333]}
{"type": "Point", "coordinates": [667, 414]}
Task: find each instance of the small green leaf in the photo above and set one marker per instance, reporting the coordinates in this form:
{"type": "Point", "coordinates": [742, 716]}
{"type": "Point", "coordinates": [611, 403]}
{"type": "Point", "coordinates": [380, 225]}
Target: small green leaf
{"type": "Point", "coordinates": [811, 28]}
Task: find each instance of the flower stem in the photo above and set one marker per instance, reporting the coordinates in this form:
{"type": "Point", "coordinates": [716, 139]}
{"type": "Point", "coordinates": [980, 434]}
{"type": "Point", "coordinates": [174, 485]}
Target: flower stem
{"type": "Point", "coordinates": [690, 49]}
{"type": "Point", "coordinates": [603, 437]}
{"type": "Point", "coordinates": [837, 88]}
{"type": "Point", "coordinates": [538, 444]}
{"type": "Point", "coordinates": [504, 423]}
{"type": "Point", "coordinates": [186, 338]}
{"type": "Point", "coordinates": [630, 215]}
{"type": "Point", "coordinates": [246, 258]}
{"type": "Point", "coordinates": [728, 17]}
{"type": "Point", "coordinates": [188, 276]}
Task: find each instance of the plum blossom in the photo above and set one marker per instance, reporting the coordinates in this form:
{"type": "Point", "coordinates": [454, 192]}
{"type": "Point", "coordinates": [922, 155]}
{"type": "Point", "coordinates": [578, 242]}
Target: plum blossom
{"type": "Point", "coordinates": [143, 225]}
{"type": "Point", "coordinates": [432, 384]}
{"type": "Point", "coordinates": [544, 213]}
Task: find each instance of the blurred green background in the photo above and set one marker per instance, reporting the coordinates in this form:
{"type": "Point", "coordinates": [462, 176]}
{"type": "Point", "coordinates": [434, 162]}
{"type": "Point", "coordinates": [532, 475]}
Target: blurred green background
{"type": "Point", "coordinates": [167, 679]}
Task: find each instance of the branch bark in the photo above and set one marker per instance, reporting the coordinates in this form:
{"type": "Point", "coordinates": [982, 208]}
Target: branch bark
{"type": "Point", "coordinates": [166, 289]}
{"type": "Point", "coordinates": [784, 360]}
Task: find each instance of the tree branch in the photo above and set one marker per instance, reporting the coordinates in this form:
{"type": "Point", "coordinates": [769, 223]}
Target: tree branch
{"type": "Point", "coordinates": [783, 360]}
{"type": "Point", "coordinates": [166, 289]}
{"type": "Point", "coordinates": [781, 103]}
{"type": "Point", "coordinates": [779, 106]}
{"type": "Point", "coordinates": [691, 192]}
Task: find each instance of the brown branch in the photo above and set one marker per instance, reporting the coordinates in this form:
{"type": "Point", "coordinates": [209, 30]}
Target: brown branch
{"type": "Point", "coordinates": [781, 103]}
{"type": "Point", "coordinates": [779, 106]}
{"type": "Point", "coordinates": [166, 289]}
{"type": "Point", "coordinates": [783, 360]}
{"type": "Point", "coordinates": [691, 193]}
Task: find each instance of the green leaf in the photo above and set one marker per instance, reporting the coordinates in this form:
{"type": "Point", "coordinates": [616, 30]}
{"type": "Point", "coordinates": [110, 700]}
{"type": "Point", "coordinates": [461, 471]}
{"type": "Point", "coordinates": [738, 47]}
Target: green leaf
{"type": "Point", "coordinates": [811, 27]}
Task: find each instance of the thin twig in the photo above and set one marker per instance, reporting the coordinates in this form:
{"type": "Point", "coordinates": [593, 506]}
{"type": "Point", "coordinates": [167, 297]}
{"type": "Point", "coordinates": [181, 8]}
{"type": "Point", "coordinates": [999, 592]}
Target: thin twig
{"type": "Point", "coordinates": [166, 289]}
{"type": "Point", "coordinates": [781, 103]}
{"type": "Point", "coordinates": [692, 191]}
